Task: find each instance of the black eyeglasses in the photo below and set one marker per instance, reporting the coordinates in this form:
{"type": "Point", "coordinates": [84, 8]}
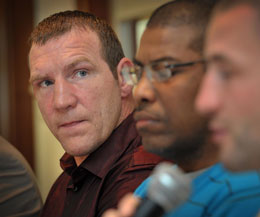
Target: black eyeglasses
{"type": "Point", "coordinates": [158, 72]}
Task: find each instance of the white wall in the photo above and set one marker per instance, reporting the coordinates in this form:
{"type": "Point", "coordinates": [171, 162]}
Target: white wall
{"type": "Point", "coordinates": [128, 9]}
{"type": "Point", "coordinates": [44, 8]}
{"type": "Point", "coordinates": [48, 150]}
{"type": "Point", "coordinates": [123, 11]}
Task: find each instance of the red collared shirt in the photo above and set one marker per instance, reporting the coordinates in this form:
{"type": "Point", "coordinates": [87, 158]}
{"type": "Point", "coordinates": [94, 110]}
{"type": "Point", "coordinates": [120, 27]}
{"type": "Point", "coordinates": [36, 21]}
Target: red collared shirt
{"type": "Point", "coordinates": [117, 167]}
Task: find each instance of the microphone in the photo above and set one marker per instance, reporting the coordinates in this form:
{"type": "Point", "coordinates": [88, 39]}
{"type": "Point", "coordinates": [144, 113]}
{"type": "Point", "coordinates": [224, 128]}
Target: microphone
{"type": "Point", "coordinates": [169, 187]}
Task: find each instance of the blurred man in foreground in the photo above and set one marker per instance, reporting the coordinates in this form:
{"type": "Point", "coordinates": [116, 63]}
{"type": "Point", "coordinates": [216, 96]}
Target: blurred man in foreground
{"type": "Point", "coordinates": [19, 193]}
{"type": "Point", "coordinates": [230, 92]}
{"type": "Point", "coordinates": [168, 69]}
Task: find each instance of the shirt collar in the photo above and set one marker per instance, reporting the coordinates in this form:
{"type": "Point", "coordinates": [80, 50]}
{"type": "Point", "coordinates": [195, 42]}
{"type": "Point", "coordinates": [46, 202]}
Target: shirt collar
{"type": "Point", "coordinates": [101, 160]}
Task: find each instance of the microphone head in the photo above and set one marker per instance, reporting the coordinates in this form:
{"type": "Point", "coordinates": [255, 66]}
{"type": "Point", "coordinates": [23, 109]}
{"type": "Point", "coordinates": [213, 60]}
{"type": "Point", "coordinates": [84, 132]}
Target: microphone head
{"type": "Point", "coordinates": [169, 186]}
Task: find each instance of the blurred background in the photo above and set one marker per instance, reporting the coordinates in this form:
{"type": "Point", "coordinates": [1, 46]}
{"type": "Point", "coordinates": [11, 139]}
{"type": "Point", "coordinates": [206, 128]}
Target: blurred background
{"type": "Point", "coordinates": [20, 120]}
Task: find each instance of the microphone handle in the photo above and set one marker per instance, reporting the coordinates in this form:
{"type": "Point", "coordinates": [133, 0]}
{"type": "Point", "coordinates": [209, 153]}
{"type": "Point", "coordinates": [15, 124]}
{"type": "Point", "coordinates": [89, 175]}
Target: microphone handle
{"type": "Point", "coordinates": [148, 208]}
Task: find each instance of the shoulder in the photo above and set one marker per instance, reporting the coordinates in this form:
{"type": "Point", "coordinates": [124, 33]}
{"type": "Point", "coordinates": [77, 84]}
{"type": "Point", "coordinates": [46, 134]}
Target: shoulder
{"type": "Point", "coordinates": [136, 165]}
{"type": "Point", "coordinates": [234, 183]}
{"type": "Point", "coordinates": [141, 190]}
{"type": "Point", "coordinates": [141, 157]}
{"type": "Point", "coordinates": [18, 188]}
{"type": "Point", "coordinates": [220, 191]}
{"type": "Point", "coordinates": [11, 158]}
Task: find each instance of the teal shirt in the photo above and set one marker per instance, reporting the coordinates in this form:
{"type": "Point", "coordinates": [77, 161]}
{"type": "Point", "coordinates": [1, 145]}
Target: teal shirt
{"type": "Point", "coordinates": [218, 193]}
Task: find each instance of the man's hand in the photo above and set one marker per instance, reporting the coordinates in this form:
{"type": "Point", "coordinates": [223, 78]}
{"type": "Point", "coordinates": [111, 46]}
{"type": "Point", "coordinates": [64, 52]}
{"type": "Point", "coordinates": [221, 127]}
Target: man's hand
{"type": "Point", "coordinates": [126, 207]}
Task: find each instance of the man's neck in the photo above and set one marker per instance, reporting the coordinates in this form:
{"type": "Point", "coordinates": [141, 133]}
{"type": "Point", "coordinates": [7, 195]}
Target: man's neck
{"type": "Point", "coordinates": [208, 158]}
{"type": "Point", "coordinates": [127, 108]}
{"type": "Point", "coordinates": [79, 159]}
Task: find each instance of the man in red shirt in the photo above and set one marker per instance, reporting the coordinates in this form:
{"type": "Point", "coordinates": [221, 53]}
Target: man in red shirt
{"type": "Point", "coordinates": [75, 62]}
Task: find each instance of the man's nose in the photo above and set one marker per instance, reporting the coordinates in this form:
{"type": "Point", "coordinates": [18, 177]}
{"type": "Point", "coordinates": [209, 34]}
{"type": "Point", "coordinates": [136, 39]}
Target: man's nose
{"type": "Point", "coordinates": [64, 95]}
{"type": "Point", "coordinates": [208, 99]}
{"type": "Point", "coordinates": [143, 92]}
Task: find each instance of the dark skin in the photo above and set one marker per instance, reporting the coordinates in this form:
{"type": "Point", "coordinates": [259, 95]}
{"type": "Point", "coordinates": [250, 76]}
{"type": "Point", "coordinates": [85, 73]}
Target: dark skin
{"type": "Point", "coordinates": [187, 142]}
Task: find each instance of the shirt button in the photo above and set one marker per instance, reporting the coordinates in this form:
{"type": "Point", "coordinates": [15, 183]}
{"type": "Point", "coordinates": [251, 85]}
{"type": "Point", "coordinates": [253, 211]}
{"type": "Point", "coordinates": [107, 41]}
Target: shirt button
{"type": "Point", "coordinates": [81, 170]}
{"type": "Point", "coordinates": [75, 188]}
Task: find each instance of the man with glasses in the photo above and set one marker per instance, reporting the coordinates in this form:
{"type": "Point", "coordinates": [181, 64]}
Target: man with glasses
{"type": "Point", "coordinates": [168, 68]}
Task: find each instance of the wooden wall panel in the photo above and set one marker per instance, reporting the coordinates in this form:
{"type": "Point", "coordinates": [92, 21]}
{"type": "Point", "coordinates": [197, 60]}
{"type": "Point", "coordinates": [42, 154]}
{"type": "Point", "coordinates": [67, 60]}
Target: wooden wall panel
{"type": "Point", "coordinates": [18, 20]}
{"type": "Point", "coordinates": [98, 7]}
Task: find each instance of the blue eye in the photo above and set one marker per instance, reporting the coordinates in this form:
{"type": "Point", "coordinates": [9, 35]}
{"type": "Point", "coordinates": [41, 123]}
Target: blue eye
{"type": "Point", "coordinates": [46, 83]}
{"type": "Point", "coordinates": [82, 73]}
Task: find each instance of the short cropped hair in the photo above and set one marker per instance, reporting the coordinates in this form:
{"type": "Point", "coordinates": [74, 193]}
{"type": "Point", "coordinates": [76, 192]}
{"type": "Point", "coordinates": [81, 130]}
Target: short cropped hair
{"type": "Point", "coordinates": [63, 22]}
{"type": "Point", "coordinates": [194, 13]}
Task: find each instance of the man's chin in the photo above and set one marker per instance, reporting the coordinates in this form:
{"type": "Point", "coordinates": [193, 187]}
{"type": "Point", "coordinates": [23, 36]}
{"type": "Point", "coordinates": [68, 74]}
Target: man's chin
{"type": "Point", "coordinates": [76, 150]}
{"type": "Point", "coordinates": [236, 160]}
{"type": "Point", "coordinates": [231, 164]}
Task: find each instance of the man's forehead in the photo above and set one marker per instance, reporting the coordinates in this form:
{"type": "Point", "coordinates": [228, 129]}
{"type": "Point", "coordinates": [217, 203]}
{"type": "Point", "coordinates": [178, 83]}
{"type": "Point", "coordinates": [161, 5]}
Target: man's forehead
{"type": "Point", "coordinates": [166, 34]}
{"type": "Point", "coordinates": [235, 18]}
{"type": "Point", "coordinates": [73, 33]}
{"type": "Point", "coordinates": [75, 38]}
{"type": "Point", "coordinates": [231, 28]}
{"type": "Point", "coordinates": [158, 43]}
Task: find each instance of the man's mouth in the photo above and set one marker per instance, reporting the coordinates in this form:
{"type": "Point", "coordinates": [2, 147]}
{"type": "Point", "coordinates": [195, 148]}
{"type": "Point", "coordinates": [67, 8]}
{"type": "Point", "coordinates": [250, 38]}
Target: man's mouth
{"type": "Point", "coordinates": [70, 124]}
{"type": "Point", "coordinates": [148, 123]}
{"type": "Point", "coordinates": [218, 134]}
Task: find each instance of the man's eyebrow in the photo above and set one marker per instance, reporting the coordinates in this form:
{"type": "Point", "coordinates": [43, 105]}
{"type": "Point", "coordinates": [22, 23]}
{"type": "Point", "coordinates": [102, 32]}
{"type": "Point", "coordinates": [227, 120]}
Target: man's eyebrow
{"type": "Point", "coordinates": [68, 67]}
{"type": "Point", "coordinates": [34, 77]}
{"type": "Point", "coordinates": [161, 59]}
{"type": "Point", "coordinates": [218, 58]}
{"type": "Point", "coordinates": [76, 62]}
{"type": "Point", "coordinates": [166, 58]}
{"type": "Point", "coordinates": [37, 77]}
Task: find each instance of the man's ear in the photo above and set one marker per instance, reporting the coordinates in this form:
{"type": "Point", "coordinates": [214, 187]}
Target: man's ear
{"type": "Point", "coordinates": [126, 89]}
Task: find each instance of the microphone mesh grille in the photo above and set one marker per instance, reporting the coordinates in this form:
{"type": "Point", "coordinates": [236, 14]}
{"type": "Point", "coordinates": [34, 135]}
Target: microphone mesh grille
{"type": "Point", "coordinates": [169, 186]}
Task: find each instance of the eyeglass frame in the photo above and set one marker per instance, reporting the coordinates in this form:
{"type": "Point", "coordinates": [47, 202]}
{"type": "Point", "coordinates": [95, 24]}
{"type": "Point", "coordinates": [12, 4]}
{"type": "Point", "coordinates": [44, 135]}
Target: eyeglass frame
{"type": "Point", "coordinates": [150, 71]}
